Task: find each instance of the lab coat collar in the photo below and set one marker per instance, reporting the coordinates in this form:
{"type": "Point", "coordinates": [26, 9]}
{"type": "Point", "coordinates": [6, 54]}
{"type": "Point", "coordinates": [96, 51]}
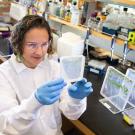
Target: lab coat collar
{"type": "Point", "coordinates": [19, 67]}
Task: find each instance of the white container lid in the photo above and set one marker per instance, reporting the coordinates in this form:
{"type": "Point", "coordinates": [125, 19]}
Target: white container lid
{"type": "Point", "coordinates": [97, 64]}
{"type": "Point", "coordinates": [70, 36]}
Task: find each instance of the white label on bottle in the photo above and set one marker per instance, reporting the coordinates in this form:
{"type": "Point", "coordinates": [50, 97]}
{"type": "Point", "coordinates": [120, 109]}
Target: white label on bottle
{"type": "Point", "coordinates": [124, 30]}
{"type": "Point", "coordinates": [94, 70]}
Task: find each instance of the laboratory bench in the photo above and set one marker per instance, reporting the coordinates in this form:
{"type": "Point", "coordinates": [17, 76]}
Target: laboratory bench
{"type": "Point", "coordinates": [97, 120]}
{"type": "Point", "coordinates": [97, 117]}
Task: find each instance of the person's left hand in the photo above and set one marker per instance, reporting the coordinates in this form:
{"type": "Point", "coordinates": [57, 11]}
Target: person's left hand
{"type": "Point", "coordinates": [80, 89]}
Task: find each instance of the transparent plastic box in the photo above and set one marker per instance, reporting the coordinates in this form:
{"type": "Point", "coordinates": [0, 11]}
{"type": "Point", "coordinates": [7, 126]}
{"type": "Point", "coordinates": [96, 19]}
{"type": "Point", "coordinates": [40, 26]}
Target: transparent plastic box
{"type": "Point", "coordinates": [131, 74]}
{"type": "Point", "coordinates": [116, 90]}
{"type": "Point", "coordinates": [72, 67]}
{"type": "Point", "coordinates": [131, 112]}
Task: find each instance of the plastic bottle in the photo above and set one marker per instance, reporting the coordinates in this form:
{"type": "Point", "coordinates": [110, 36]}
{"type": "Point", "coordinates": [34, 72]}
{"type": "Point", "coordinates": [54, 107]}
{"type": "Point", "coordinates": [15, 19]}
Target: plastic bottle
{"type": "Point", "coordinates": [40, 5]}
{"type": "Point", "coordinates": [32, 10]}
{"type": "Point", "coordinates": [83, 15]}
{"type": "Point", "coordinates": [62, 11]}
{"type": "Point", "coordinates": [58, 7]}
{"type": "Point", "coordinates": [52, 8]}
{"type": "Point", "coordinates": [76, 14]}
{"type": "Point", "coordinates": [123, 17]}
{"type": "Point", "coordinates": [68, 15]}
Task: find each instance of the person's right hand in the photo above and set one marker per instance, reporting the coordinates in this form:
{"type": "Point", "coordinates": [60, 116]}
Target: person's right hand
{"type": "Point", "coordinates": [50, 92]}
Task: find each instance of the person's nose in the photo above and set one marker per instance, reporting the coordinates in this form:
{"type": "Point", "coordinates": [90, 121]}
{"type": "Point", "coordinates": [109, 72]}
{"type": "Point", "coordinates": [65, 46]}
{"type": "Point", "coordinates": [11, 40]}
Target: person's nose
{"type": "Point", "coordinates": [39, 50]}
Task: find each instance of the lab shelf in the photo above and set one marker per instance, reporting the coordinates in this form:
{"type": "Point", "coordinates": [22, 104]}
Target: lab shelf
{"type": "Point", "coordinates": [107, 37]}
{"type": "Point", "coordinates": [4, 7]}
{"type": "Point", "coordinates": [127, 2]}
{"type": "Point", "coordinates": [93, 32]}
{"type": "Point", "coordinates": [62, 21]}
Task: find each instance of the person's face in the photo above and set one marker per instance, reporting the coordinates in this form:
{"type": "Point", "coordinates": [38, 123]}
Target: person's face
{"type": "Point", "coordinates": [35, 46]}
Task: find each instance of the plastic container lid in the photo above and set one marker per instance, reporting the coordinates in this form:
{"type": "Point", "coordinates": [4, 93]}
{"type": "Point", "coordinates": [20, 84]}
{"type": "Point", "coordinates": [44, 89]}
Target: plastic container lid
{"type": "Point", "coordinates": [70, 36]}
{"type": "Point", "coordinates": [97, 64]}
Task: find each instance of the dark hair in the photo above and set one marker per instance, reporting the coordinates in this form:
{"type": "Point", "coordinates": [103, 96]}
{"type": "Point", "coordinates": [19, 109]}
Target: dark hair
{"type": "Point", "coordinates": [22, 27]}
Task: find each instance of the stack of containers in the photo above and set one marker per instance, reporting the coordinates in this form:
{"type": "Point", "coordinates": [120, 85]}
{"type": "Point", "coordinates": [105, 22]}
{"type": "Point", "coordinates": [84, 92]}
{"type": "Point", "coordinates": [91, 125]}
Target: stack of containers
{"type": "Point", "coordinates": [70, 44]}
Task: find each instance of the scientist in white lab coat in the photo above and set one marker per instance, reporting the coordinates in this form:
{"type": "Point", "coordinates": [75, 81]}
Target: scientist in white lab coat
{"type": "Point", "coordinates": [32, 93]}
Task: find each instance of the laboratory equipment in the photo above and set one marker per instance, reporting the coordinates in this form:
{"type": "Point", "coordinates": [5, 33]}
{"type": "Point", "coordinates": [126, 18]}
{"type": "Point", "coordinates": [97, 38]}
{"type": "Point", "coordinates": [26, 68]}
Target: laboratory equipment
{"type": "Point", "coordinates": [125, 51]}
{"type": "Point", "coordinates": [97, 67]}
{"type": "Point", "coordinates": [88, 33]}
{"type": "Point", "coordinates": [26, 3]}
{"type": "Point", "coordinates": [130, 113]}
{"type": "Point", "coordinates": [72, 67]}
{"type": "Point", "coordinates": [127, 119]}
{"type": "Point", "coordinates": [17, 11]}
{"type": "Point", "coordinates": [131, 37]}
{"type": "Point", "coordinates": [112, 46]}
{"type": "Point", "coordinates": [125, 31]}
{"type": "Point", "coordinates": [70, 44]}
{"type": "Point", "coordinates": [116, 90]}
{"type": "Point", "coordinates": [130, 116]}
{"type": "Point", "coordinates": [110, 28]}
{"type": "Point", "coordinates": [124, 63]}
{"type": "Point", "coordinates": [131, 74]}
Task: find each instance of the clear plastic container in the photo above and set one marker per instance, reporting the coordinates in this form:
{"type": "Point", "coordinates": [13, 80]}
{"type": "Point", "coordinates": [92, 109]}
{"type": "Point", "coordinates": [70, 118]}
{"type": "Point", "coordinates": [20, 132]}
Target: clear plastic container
{"type": "Point", "coordinates": [116, 90]}
{"type": "Point", "coordinates": [71, 43]}
{"type": "Point", "coordinates": [131, 74]}
{"type": "Point", "coordinates": [72, 67]}
{"type": "Point", "coordinates": [131, 112]}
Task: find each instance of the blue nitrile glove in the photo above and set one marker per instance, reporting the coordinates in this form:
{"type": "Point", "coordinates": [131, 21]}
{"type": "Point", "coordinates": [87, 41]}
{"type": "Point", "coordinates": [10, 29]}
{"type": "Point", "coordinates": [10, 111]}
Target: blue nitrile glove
{"type": "Point", "coordinates": [80, 89]}
{"type": "Point", "coordinates": [50, 92]}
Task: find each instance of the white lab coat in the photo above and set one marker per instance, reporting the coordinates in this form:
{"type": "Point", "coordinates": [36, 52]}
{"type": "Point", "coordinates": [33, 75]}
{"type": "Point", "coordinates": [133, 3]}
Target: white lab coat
{"type": "Point", "coordinates": [20, 112]}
